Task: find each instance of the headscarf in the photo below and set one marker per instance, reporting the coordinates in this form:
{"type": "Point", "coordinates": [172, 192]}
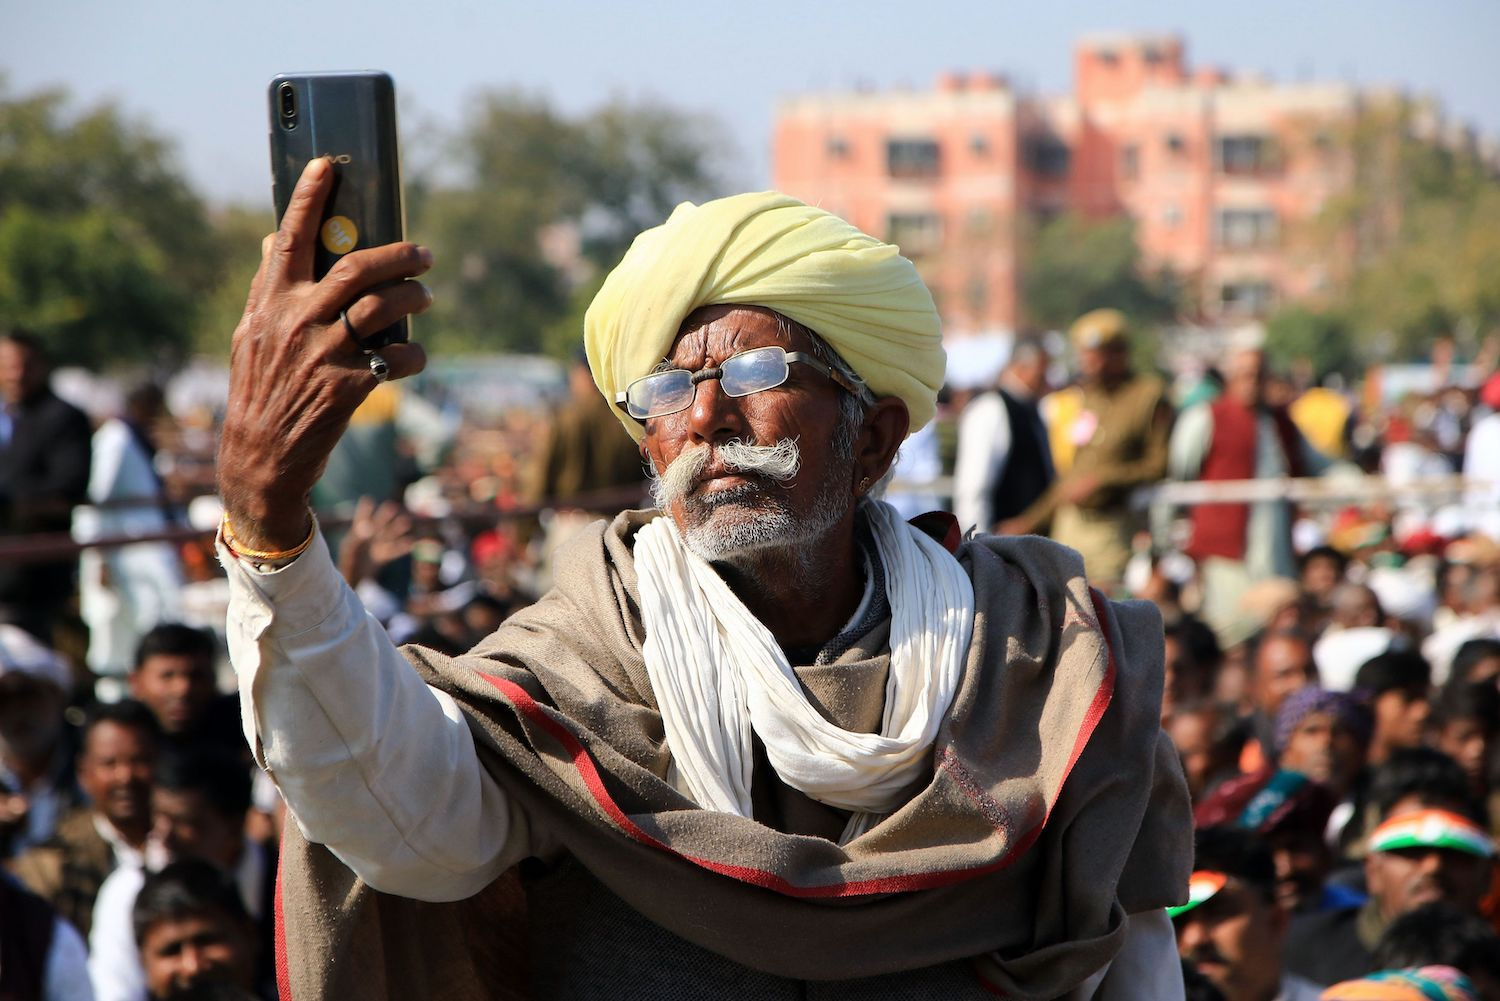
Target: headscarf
{"type": "Point", "coordinates": [1305, 701]}
{"type": "Point", "coordinates": [1427, 983]}
{"type": "Point", "coordinates": [1268, 802]}
{"type": "Point", "coordinates": [767, 249]}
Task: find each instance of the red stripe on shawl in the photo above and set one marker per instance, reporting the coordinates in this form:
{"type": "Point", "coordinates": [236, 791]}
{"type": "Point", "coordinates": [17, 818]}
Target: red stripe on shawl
{"type": "Point", "coordinates": [283, 967]}
{"type": "Point", "coordinates": [594, 782]}
{"type": "Point", "coordinates": [1091, 720]}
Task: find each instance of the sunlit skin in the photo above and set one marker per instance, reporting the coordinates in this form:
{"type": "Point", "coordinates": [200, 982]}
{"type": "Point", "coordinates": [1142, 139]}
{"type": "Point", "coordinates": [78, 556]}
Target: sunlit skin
{"type": "Point", "coordinates": [115, 769]}
{"type": "Point", "coordinates": [208, 947]}
{"type": "Point", "coordinates": [1320, 576]}
{"type": "Point", "coordinates": [1283, 664]}
{"type": "Point", "coordinates": [1192, 734]}
{"type": "Point", "coordinates": [176, 687]}
{"type": "Point", "coordinates": [1234, 939]}
{"type": "Point", "coordinates": [1324, 750]}
{"type": "Point", "coordinates": [1407, 878]}
{"type": "Point", "coordinates": [1245, 377]}
{"type": "Point", "coordinates": [804, 594]}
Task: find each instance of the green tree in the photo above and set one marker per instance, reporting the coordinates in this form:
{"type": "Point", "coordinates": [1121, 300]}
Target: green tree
{"type": "Point", "coordinates": [1321, 339]}
{"type": "Point", "coordinates": [1074, 265]}
{"type": "Point", "coordinates": [104, 248]}
{"type": "Point", "coordinates": [528, 207]}
{"type": "Point", "coordinates": [1420, 226]}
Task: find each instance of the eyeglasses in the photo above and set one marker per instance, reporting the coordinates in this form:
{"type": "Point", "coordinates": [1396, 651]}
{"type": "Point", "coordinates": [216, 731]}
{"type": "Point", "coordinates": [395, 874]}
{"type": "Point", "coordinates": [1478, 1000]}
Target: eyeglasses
{"type": "Point", "coordinates": [663, 393]}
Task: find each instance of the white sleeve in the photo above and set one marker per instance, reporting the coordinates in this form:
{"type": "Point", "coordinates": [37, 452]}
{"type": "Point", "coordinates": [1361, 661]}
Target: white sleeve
{"type": "Point", "coordinates": [114, 960]}
{"type": "Point", "coordinates": [1147, 968]}
{"type": "Point", "coordinates": [983, 447]}
{"type": "Point", "coordinates": [66, 976]}
{"type": "Point", "coordinates": [371, 762]}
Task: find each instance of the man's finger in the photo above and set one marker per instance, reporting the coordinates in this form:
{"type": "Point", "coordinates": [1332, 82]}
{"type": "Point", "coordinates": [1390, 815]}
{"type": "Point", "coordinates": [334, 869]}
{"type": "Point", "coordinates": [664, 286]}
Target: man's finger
{"type": "Point", "coordinates": [365, 269]}
{"type": "Point", "coordinates": [378, 309]}
{"type": "Point", "coordinates": [292, 255]}
{"type": "Point", "coordinates": [401, 360]}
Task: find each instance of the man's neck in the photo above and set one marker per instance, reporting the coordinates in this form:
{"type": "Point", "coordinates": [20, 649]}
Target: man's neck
{"type": "Point", "coordinates": [803, 594]}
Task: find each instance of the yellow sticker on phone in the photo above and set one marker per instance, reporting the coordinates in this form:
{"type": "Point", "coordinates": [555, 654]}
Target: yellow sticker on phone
{"type": "Point", "coordinates": [339, 234]}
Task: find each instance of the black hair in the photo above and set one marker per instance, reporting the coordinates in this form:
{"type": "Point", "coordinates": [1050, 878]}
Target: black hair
{"type": "Point", "coordinates": [1439, 934]}
{"type": "Point", "coordinates": [1471, 653]}
{"type": "Point", "coordinates": [1425, 772]}
{"type": "Point", "coordinates": [174, 639]}
{"type": "Point", "coordinates": [221, 778]}
{"type": "Point", "coordinates": [1323, 553]}
{"type": "Point", "coordinates": [126, 712]}
{"type": "Point", "coordinates": [1404, 669]}
{"type": "Point", "coordinates": [1476, 700]}
{"type": "Point", "coordinates": [1199, 641]}
{"type": "Point", "coordinates": [184, 889]}
{"type": "Point", "coordinates": [1237, 852]}
{"type": "Point", "coordinates": [27, 340]}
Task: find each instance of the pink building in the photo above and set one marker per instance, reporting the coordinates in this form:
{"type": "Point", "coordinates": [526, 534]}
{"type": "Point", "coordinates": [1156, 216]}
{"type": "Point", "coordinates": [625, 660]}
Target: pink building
{"type": "Point", "coordinates": [1220, 174]}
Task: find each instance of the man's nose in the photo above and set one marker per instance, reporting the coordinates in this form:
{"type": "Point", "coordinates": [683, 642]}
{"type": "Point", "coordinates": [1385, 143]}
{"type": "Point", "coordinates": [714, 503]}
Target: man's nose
{"type": "Point", "coordinates": [714, 415]}
{"type": "Point", "coordinates": [1189, 934]}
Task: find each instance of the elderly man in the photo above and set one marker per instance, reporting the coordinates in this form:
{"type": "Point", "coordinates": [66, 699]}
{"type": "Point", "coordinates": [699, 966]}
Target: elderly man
{"type": "Point", "coordinates": [771, 736]}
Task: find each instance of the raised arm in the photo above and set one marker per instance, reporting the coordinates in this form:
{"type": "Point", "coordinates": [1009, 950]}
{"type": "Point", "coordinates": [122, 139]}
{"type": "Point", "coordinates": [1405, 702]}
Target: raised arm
{"type": "Point", "coordinates": [372, 762]}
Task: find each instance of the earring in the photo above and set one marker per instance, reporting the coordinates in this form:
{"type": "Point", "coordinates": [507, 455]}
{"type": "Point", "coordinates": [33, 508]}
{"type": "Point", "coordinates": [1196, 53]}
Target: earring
{"type": "Point", "coordinates": [864, 485]}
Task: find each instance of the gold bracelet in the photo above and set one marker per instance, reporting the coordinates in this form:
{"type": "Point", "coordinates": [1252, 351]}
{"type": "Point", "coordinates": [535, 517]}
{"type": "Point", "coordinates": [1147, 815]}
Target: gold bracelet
{"type": "Point", "coordinates": [235, 546]}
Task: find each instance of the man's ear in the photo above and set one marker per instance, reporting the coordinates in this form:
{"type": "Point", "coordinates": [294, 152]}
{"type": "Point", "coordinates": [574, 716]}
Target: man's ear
{"type": "Point", "coordinates": [881, 434]}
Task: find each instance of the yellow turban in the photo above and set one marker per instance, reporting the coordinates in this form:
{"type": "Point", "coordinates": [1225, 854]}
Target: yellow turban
{"type": "Point", "coordinates": [766, 249]}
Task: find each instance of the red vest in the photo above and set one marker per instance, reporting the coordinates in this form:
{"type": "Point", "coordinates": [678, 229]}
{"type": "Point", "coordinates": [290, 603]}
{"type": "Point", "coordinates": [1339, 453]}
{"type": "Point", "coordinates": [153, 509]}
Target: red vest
{"type": "Point", "coordinates": [1219, 529]}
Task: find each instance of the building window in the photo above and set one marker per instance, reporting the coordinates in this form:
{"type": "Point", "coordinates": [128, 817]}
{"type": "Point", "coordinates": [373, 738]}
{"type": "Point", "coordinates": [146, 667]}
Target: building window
{"type": "Point", "coordinates": [1130, 162]}
{"type": "Point", "coordinates": [1250, 298]}
{"type": "Point", "coordinates": [979, 145]}
{"type": "Point", "coordinates": [1244, 228]}
{"type": "Point", "coordinates": [838, 148]}
{"type": "Point", "coordinates": [912, 158]}
{"type": "Point", "coordinates": [1176, 144]}
{"type": "Point", "coordinates": [1047, 156]}
{"type": "Point", "coordinates": [1244, 154]}
{"type": "Point", "coordinates": [915, 233]}
{"type": "Point", "coordinates": [1171, 216]}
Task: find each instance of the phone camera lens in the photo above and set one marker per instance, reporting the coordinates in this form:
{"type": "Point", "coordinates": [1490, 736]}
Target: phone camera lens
{"type": "Point", "coordinates": [287, 95]}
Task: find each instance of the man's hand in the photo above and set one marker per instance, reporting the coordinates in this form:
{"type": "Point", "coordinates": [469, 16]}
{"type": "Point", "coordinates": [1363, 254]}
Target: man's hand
{"type": "Point", "coordinates": [1078, 488]}
{"type": "Point", "coordinates": [376, 536]}
{"type": "Point", "coordinates": [295, 375]}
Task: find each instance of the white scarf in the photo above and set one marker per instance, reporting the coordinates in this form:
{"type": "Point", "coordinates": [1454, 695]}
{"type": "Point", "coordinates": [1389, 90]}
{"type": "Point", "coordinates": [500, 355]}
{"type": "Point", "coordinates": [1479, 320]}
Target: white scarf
{"type": "Point", "coordinates": [718, 675]}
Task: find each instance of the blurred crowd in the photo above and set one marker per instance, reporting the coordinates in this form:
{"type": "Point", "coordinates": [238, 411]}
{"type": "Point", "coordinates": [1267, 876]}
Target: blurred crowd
{"type": "Point", "coordinates": [1332, 655]}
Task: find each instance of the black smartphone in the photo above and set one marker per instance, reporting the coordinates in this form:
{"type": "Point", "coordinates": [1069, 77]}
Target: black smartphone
{"type": "Point", "coordinates": [351, 119]}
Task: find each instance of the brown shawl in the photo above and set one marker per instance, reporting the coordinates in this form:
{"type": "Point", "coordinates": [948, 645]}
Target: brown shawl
{"type": "Point", "coordinates": [1056, 806]}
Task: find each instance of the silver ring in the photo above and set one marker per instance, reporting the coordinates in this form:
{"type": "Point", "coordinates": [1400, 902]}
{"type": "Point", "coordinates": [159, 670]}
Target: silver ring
{"type": "Point", "coordinates": [378, 367]}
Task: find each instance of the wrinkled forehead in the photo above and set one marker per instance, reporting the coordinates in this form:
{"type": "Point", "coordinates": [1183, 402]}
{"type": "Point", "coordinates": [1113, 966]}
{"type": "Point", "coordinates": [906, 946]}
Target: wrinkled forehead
{"type": "Point", "coordinates": [713, 333]}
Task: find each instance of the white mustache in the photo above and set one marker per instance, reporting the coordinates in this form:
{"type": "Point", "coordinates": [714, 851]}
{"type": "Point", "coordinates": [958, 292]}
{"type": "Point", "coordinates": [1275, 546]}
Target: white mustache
{"type": "Point", "coordinates": [779, 462]}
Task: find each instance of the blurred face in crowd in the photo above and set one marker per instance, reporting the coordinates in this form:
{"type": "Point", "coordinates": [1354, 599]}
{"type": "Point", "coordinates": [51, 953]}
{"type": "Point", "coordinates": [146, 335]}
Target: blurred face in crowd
{"type": "Point", "coordinates": [1320, 575]}
{"type": "Point", "coordinates": [1244, 377]}
{"type": "Point", "coordinates": [23, 372]}
{"type": "Point", "coordinates": [31, 720]}
{"type": "Point", "coordinates": [1407, 878]}
{"type": "Point", "coordinates": [1283, 664]}
{"type": "Point", "coordinates": [1192, 733]}
{"type": "Point", "coordinates": [1401, 717]}
{"type": "Point", "coordinates": [1322, 748]}
{"type": "Point", "coordinates": [1355, 607]}
{"type": "Point", "coordinates": [115, 769]}
{"type": "Point", "coordinates": [1468, 741]}
{"type": "Point", "coordinates": [188, 826]}
{"type": "Point", "coordinates": [1484, 669]}
{"type": "Point", "coordinates": [184, 953]}
{"type": "Point", "coordinates": [176, 687]}
{"type": "Point", "coordinates": [1302, 862]}
{"type": "Point", "coordinates": [1108, 364]}
{"type": "Point", "coordinates": [1234, 939]}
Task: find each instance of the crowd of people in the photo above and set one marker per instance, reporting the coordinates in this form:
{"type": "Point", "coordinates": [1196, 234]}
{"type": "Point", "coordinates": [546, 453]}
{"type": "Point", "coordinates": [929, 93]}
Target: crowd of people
{"type": "Point", "coordinates": [1331, 688]}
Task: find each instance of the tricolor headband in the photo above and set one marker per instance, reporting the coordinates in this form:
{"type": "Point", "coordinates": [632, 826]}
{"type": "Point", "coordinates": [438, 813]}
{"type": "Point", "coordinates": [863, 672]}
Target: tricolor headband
{"type": "Point", "coordinates": [1201, 886]}
{"type": "Point", "coordinates": [1431, 829]}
